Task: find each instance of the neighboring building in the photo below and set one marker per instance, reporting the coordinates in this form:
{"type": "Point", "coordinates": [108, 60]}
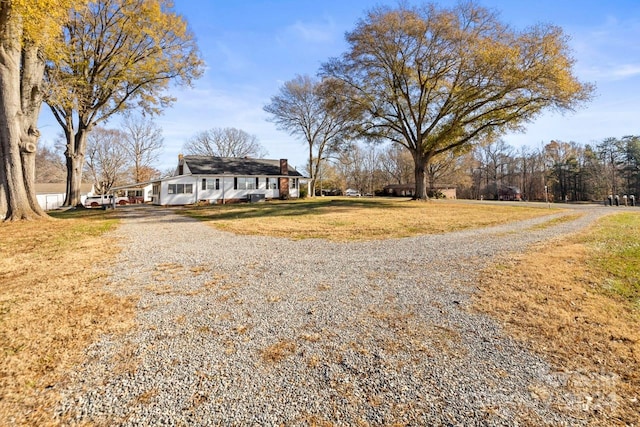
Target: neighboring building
{"type": "Point", "coordinates": [51, 195]}
{"type": "Point", "coordinates": [509, 193]}
{"type": "Point", "coordinates": [409, 190]}
{"type": "Point", "coordinates": [226, 180]}
{"type": "Point", "coordinates": [400, 190]}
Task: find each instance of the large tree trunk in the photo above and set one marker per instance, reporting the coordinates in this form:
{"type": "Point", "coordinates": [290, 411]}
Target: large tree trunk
{"type": "Point", "coordinates": [420, 164]}
{"type": "Point", "coordinates": [74, 154]}
{"type": "Point", "coordinates": [31, 98]}
{"type": "Point", "coordinates": [21, 74]}
{"type": "Point", "coordinates": [421, 186]}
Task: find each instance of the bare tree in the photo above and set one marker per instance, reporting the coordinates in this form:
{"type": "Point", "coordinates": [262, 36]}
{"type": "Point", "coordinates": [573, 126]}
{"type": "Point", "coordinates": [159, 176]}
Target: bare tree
{"type": "Point", "coordinates": [494, 158]}
{"type": "Point", "coordinates": [143, 143]}
{"type": "Point", "coordinates": [433, 79]}
{"type": "Point", "coordinates": [397, 163]}
{"type": "Point", "coordinates": [107, 158]}
{"type": "Point", "coordinates": [49, 166]}
{"type": "Point", "coordinates": [562, 164]}
{"type": "Point", "coordinates": [330, 178]}
{"type": "Point", "coordinates": [361, 167]}
{"type": "Point", "coordinates": [224, 142]}
{"type": "Point", "coordinates": [443, 169]}
{"type": "Point", "coordinates": [309, 109]}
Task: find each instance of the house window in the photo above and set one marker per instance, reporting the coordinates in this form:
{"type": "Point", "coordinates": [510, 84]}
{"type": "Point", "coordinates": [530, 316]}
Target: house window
{"type": "Point", "coordinates": [210, 184]}
{"type": "Point", "coordinates": [293, 182]}
{"type": "Point", "coordinates": [155, 189]}
{"type": "Point", "coordinates": [245, 183]}
{"type": "Point", "coordinates": [272, 184]}
{"type": "Point", "coordinates": [180, 189]}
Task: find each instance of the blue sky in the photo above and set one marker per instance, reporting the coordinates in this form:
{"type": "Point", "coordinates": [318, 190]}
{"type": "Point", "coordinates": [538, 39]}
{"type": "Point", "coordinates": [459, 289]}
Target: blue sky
{"type": "Point", "coordinates": [251, 47]}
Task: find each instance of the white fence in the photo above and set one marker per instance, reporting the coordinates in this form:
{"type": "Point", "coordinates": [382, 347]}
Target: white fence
{"type": "Point", "coordinates": [53, 201]}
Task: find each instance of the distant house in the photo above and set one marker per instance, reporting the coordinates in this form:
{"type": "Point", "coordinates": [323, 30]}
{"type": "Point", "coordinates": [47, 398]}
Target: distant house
{"type": "Point", "coordinates": [51, 195]}
{"type": "Point", "coordinates": [400, 190]}
{"type": "Point", "coordinates": [225, 180]}
{"type": "Point", "coordinates": [409, 190]}
{"type": "Point", "coordinates": [509, 193]}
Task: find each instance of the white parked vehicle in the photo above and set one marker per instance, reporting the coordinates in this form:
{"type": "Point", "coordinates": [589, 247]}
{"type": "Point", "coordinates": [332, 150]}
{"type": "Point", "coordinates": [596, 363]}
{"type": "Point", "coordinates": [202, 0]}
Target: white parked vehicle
{"type": "Point", "coordinates": [104, 200]}
{"type": "Point", "coordinates": [352, 193]}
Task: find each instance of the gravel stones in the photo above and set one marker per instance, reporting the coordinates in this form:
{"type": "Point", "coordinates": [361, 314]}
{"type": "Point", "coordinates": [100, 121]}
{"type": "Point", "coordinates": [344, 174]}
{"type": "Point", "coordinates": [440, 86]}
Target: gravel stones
{"type": "Point", "coordinates": [241, 330]}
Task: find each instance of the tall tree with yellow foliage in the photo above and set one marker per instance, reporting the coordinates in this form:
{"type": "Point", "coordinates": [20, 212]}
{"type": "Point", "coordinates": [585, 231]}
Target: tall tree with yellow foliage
{"type": "Point", "coordinates": [438, 79]}
{"type": "Point", "coordinates": [28, 32]}
{"type": "Point", "coordinates": [117, 55]}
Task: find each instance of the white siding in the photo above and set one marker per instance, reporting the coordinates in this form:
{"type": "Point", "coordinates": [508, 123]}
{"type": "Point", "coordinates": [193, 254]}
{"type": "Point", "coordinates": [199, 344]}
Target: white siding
{"type": "Point", "coordinates": [177, 199]}
{"type": "Point", "coordinates": [213, 195]}
{"type": "Point", "coordinates": [294, 192]}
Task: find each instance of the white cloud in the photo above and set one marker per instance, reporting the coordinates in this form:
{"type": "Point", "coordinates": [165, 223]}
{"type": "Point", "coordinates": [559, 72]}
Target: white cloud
{"type": "Point", "coordinates": [610, 72]}
{"type": "Point", "coordinates": [626, 70]}
{"type": "Point", "coordinates": [604, 52]}
{"type": "Point", "coordinates": [314, 32]}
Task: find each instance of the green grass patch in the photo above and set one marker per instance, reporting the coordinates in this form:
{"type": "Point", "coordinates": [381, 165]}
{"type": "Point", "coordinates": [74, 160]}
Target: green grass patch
{"type": "Point", "coordinates": [615, 243]}
{"type": "Point", "coordinates": [85, 213]}
{"type": "Point", "coordinates": [80, 230]}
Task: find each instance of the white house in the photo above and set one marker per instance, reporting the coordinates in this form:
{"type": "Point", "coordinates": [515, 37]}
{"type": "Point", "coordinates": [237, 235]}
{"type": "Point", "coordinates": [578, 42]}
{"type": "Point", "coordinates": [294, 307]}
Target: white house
{"type": "Point", "coordinates": [226, 179]}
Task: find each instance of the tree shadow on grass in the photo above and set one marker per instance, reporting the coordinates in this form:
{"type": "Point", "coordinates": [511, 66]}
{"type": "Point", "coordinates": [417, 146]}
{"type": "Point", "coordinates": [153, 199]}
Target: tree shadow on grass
{"type": "Point", "coordinates": [288, 208]}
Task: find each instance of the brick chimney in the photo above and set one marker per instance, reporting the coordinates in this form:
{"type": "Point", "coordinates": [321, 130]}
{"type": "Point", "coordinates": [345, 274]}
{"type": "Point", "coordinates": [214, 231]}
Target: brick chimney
{"type": "Point", "coordinates": [284, 182]}
{"type": "Point", "coordinates": [180, 164]}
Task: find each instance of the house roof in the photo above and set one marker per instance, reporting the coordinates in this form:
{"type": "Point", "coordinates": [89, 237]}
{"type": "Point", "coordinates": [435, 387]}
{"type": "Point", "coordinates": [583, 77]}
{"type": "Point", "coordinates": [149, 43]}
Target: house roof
{"type": "Point", "coordinates": [133, 186]}
{"type": "Point", "coordinates": [509, 188]}
{"type": "Point", "coordinates": [209, 165]}
{"type": "Point", "coordinates": [60, 188]}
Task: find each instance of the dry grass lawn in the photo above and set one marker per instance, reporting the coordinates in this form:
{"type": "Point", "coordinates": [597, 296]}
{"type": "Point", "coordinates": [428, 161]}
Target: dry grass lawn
{"type": "Point", "coordinates": [562, 298]}
{"type": "Point", "coordinates": [353, 219]}
{"type": "Point", "coordinates": [52, 306]}
{"type": "Point", "coordinates": [577, 303]}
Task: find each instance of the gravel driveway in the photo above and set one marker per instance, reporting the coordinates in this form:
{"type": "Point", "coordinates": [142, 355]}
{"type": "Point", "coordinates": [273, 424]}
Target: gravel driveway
{"type": "Point", "coordinates": [241, 330]}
